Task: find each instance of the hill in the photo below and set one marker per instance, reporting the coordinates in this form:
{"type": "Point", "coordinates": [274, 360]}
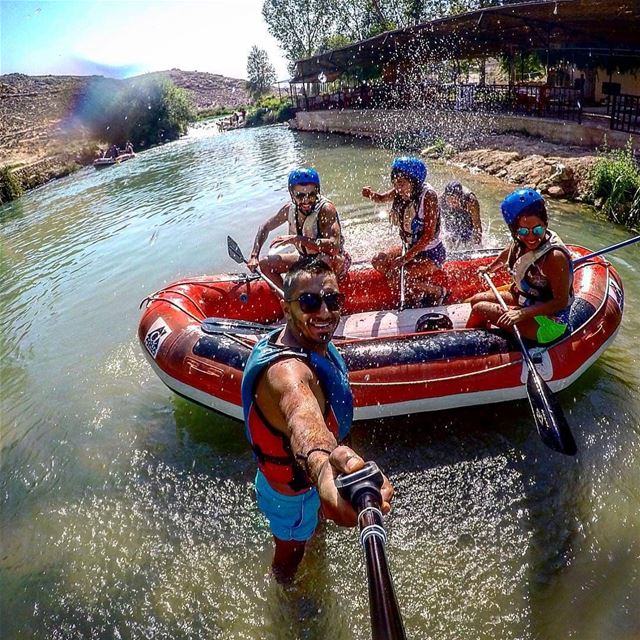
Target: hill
{"type": "Point", "coordinates": [208, 90]}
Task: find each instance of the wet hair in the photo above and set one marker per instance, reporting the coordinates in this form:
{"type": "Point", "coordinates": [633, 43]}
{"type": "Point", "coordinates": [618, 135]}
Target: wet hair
{"type": "Point", "coordinates": [312, 265]}
{"type": "Point", "coordinates": [454, 188]}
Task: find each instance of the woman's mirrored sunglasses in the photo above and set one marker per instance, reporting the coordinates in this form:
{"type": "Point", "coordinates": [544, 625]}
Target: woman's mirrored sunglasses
{"type": "Point", "coordinates": [312, 302]}
{"type": "Point", "coordinates": [300, 196]}
{"type": "Point", "coordinates": [538, 230]}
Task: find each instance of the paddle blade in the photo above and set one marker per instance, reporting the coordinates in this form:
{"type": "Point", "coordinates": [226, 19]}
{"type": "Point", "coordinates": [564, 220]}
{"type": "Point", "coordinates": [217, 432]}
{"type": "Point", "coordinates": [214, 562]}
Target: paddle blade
{"type": "Point", "coordinates": [234, 250]}
{"type": "Point", "coordinates": [551, 423]}
{"type": "Point", "coordinates": [228, 325]}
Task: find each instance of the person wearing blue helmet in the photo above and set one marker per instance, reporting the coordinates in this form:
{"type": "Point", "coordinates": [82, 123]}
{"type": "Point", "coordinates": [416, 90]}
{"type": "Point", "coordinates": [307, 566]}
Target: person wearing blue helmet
{"type": "Point", "coordinates": [313, 229]}
{"type": "Point", "coordinates": [539, 263]}
{"type": "Point", "coordinates": [415, 211]}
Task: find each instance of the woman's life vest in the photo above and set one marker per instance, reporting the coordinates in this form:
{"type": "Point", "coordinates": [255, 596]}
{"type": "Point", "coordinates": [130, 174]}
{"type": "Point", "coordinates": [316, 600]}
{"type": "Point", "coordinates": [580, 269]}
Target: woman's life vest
{"type": "Point", "coordinates": [270, 446]}
{"type": "Point", "coordinates": [309, 225]}
{"type": "Point", "coordinates": [529, 283]}
{"type": "Point", "coordinates": [411, 220]}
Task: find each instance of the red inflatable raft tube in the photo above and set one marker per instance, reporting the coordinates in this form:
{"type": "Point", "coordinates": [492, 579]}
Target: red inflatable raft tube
{"type": "Point", "coordinates": [399, 362]}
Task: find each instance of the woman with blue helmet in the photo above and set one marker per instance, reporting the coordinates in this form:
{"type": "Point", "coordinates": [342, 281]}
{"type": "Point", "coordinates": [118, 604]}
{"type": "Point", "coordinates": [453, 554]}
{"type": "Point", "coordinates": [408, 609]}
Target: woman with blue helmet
{"type": "Point", "coordinates": [414, 210]}
{"type": "Point", "coordinates": [313, 228]}
{"type": "Point", "coordinates": [541, 292]}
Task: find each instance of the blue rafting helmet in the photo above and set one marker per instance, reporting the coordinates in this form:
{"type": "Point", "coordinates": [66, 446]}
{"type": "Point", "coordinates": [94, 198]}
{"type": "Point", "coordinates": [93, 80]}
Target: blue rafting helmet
{"type": "Point", "coordinates": [410, 167]}
{"type": "Point", "coordinates": [306, 175]}
{"type": "Point", "coordinates": [515, 203]}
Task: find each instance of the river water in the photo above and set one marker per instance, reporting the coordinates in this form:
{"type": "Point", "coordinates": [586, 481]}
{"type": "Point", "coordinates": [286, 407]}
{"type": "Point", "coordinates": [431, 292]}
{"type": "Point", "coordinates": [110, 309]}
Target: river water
{"type": "Point", "coordinates": [128, 512]}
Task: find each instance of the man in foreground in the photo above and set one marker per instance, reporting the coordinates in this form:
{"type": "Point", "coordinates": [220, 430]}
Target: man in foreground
{"type": "Point", "coordinates": [297, 408]}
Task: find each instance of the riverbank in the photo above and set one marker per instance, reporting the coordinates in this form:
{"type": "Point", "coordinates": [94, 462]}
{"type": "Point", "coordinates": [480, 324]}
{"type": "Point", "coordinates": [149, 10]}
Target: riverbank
{"type": "Point", "coordinates": [557, 171]}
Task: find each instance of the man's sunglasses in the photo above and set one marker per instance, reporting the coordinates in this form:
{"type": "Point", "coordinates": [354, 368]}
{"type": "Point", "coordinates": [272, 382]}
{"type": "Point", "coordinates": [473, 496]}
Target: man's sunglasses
{"type": "Point", "coordinates": [538, 230]}
{"type": "Point", "coordinates": [312, 302]}
{"type": "Point", "coordinates": [301, 196]}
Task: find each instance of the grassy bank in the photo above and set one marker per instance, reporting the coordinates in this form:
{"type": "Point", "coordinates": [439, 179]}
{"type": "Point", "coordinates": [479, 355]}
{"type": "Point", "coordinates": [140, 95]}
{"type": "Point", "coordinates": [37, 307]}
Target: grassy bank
{"type": "Point", "coordinates": [270, 110]}
{"type": "Point", "coordinates": [615, 185]}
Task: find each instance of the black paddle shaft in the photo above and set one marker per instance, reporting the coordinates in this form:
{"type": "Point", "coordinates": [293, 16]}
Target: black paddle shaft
{"type": "Point", "coordinates": [362, 490]}
{"type": "Point", "coordinates": [548, 416]}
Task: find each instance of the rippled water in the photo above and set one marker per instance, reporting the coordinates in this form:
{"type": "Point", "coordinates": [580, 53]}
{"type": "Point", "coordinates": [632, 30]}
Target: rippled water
{"type": "Point", "coordinates": [128, 512]}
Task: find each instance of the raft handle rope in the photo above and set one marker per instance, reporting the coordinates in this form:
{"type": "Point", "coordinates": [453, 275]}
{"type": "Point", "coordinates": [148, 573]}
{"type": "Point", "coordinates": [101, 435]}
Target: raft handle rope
{"type": "Point", "coordinates": [433, 380]}
{"type": "Point", "coordinates": [189, 298]}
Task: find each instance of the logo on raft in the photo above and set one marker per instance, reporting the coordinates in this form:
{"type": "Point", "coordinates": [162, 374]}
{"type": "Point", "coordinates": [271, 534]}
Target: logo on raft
{"type": "Point", "coordinates": [616, 294]}
{"type": "Point", "coordinates": [156, 335]}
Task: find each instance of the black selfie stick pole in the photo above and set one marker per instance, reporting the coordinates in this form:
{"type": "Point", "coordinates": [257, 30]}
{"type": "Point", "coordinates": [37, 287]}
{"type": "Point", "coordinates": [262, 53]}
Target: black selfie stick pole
{"type": "Point", "coordinates": [362, 490]}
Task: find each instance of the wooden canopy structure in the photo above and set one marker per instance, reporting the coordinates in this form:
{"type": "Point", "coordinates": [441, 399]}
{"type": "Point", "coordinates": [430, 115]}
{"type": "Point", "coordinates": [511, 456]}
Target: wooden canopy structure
{"type": "Point", "coordinates": [594, 27]}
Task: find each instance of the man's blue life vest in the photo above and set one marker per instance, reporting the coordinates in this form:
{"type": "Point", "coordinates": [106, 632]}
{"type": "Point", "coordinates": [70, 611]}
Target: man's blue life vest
{"type": "Point", "coordinates": [270, 446]}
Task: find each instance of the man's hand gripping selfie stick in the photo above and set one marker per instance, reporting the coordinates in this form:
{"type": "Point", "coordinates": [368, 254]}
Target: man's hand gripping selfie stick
{"type": "Point", "coordinates": [362, 490]}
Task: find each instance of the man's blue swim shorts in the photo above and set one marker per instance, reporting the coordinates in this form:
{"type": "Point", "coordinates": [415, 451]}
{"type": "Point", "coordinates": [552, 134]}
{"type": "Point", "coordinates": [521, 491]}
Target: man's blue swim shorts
{"type": "Point", "coordinates": [290, 517]}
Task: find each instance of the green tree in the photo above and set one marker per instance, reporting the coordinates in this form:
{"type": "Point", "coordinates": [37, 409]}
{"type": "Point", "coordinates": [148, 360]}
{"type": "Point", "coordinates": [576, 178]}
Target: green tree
{"type": "Point", "coordinates": [10, 185]}
{"type": "Point", "coordinates": [146, 111]}
{"type": "Point", "coordinates": [300, 26]}
{"type": "Point", "coordinates": [260, 72]}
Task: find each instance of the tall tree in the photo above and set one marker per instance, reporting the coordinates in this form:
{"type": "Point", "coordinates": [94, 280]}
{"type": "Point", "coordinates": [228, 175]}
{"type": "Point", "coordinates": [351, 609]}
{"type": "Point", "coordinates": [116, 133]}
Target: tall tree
{"type": "Point", "coordinates": [300, 26]}
{"type": "Point", "coordinates": [260, 72]}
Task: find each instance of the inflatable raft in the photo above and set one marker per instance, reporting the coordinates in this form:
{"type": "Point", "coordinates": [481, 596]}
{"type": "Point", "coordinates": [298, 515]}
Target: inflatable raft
{"type": "Point", "coordinates": [197, 334]}
{"type": "Point", "coordinates": [100, 163]}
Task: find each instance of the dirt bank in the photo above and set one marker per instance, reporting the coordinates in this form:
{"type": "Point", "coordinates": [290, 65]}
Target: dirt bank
{"type": "Point", "coordinates": [557, 171]}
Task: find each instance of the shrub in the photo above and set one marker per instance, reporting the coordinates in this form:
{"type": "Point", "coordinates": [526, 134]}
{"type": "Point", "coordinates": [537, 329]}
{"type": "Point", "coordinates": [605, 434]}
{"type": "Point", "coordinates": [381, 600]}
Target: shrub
{"type": "Point", "coordinates": [615, 184]}
{"type": "Point", "coordinates": [214, 112]}
{"type": "Point", "coordinates": [10, 185]}
{"type": "Point", "coordinates": [146, 111]}
{"type": "Point", "coordinates": [270, 110]}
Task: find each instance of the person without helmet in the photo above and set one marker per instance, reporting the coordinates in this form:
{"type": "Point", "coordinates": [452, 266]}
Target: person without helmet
{"type": "Point", "coordinates": [415, 212]}
{"type": "Point", "coordinates": [541, 294]}
{"type": "Point", "coordinates": [298, 407]}
{"type": "Point", "coordinates": [314, 229]}
{"type": "Point", "coordinates": [460, 211]}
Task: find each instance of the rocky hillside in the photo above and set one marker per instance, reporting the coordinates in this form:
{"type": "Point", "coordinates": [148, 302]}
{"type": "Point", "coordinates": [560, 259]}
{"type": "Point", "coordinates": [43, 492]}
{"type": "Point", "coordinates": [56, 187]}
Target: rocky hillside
{"type": "Point", "coordinates": [209, 90]}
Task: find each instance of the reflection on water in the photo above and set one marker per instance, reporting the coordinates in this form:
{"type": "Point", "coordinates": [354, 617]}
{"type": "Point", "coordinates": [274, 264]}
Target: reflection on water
{"type": "Point", "coordinates": [129, 512]}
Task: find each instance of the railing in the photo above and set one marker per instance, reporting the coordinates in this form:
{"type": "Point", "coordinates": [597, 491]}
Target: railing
{"type": "Point", "coordinates": [625, 113]}
{"type": "Point", "coordinates": [533, 100]}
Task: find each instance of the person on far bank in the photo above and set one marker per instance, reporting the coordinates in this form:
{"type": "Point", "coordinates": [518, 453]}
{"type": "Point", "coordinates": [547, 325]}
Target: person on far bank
{"type": "Point", "coordinates": [298, 407]}
{"type": "Point", "coordinates": [415, 211]}
{"type": "Point", "coordinates": [313, 229]}
{"type": "Point", "coordinates": [541, 293]}
{"type": "Point", "coordinates": [460, 211]}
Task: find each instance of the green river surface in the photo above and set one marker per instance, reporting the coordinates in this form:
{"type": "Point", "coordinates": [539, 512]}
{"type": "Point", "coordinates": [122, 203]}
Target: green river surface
{"type": "Point", "coordinates": [128, 512]}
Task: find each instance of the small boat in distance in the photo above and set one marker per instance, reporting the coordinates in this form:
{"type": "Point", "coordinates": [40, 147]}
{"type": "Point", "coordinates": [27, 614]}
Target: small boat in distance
{"type": "Point", "coordinates": [100, 163]}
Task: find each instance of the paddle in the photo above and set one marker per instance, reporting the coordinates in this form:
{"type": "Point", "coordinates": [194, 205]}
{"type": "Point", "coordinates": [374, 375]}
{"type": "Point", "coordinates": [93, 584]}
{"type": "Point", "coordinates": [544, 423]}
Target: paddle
{"type": "Point", "coordinates": [362, 490]}
{"type": "Point", "coordinates": [469, 254]}
{"type": "Point", "coordinates": [230, 325]}
{"type": "Point", "coordinates": [613, 247]}
{"type": "Point", "coordinates": [552, 426]}
{"type": "Point", "coordinates": [402, 270]}
{"type": "Point", "coordinates": [236, 254]}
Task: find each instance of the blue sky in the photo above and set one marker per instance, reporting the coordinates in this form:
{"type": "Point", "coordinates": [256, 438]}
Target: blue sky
{"type": "Point", "coordinates": [121, 38]}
